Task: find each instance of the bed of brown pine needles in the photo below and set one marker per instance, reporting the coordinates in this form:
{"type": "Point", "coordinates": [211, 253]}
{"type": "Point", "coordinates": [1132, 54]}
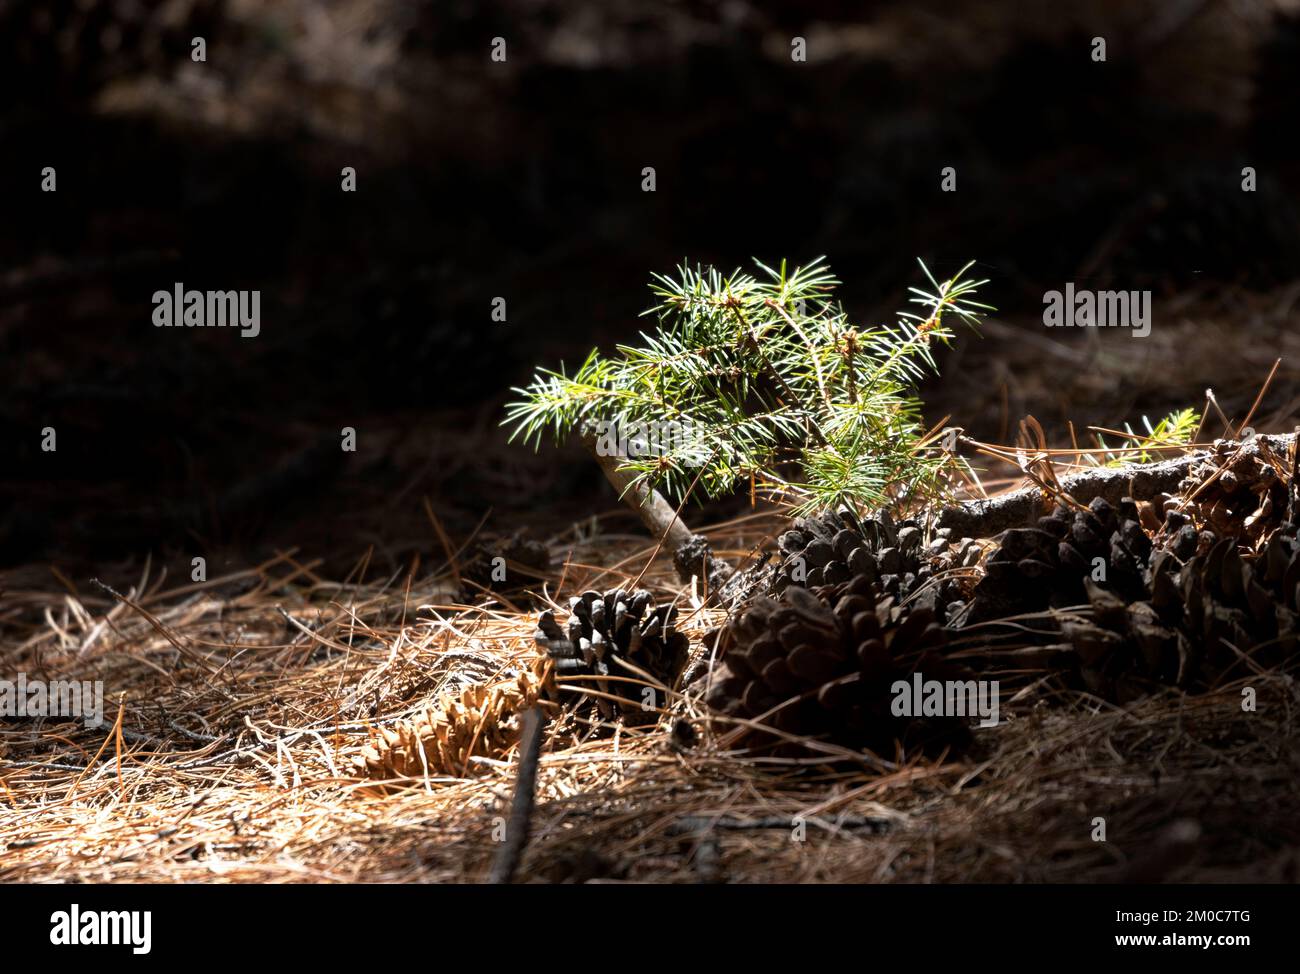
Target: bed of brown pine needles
{"type": "Point", "coordinates": [238, 705]}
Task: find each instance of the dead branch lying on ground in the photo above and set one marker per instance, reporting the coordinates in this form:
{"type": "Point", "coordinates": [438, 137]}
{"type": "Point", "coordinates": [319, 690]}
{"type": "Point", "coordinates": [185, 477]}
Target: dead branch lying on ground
{"type": "Point", "coordinates": [983, 518]}
{"type": "Point", "coordinates": [271, 801]}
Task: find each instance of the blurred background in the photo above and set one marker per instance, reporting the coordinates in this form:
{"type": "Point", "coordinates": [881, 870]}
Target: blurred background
{"type": "Point", "coordinates": [522, 179]}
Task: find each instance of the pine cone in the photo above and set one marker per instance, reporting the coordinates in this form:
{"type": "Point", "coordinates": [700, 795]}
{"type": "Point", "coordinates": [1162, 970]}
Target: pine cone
{"type": "Point", "coordinates": [1033, 569]}
{"type": "Point", "coordinates": [821, 663]}
{"type": "Point", "coordinates": [603, 633]}
{"type": "Point", "coordinates": [1231, 494]}
{"type": "Point", "coordinates": [1195, 621]}
{"type": "Point", "coordinates": [482, 722]}
{"type": "Point", "coordinates": [834, 547]}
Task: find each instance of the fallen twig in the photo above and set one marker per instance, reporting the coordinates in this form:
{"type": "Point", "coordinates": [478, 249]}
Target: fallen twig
{"type": "Point", "coordinates": [983, 518]}
{"type": "Point", "coordinates": [521, 808]}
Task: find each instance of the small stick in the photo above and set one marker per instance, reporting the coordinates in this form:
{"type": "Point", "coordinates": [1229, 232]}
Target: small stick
{"type": "Point", "coordinates": [521, 808]}
{"type": "Point", "coordinates": [1258, 399]}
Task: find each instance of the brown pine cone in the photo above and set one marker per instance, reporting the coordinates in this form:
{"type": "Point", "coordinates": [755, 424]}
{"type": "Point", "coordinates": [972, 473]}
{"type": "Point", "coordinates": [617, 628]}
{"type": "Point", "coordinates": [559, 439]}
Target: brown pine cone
{"type": "Point", "coordinates": [1033, 569]}
{"type": "Point", "coordinates": [836, 546]}
{"type": "Point", "coordinates": [1196, 621]}
{"type": "Point", "coordinates": [483, 721]}
{"type": "Point", "coordinates": [614, 635]}
{"type": "Point", "coordinates": [821, 663]}
{"type": "Point", "coordinates": [1230, 493]}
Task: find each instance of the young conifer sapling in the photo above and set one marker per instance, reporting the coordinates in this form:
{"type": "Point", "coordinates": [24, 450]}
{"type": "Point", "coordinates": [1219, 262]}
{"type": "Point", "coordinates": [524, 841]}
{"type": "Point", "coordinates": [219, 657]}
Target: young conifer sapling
{"type": "Point", "coordinates": [758, 382]}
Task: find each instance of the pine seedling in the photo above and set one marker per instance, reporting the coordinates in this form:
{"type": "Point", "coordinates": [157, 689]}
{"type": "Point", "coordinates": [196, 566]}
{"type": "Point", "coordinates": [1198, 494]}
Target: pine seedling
{"type": "Point", "coordinates": [1174, 431]}
{"type": "Point", "coordinates": [760, 379]}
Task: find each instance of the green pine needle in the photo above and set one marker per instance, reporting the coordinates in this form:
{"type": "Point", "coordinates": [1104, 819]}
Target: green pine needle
{"type": "Point", "coordinates": [1174, 430]}
{"type": "Point", "coordinates": [762, 376]}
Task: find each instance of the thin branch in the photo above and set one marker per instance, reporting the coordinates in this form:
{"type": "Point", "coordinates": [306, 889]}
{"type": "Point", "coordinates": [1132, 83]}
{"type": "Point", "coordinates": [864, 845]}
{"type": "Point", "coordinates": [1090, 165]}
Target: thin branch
{"type": "Point", "coordinates": [521, 808]}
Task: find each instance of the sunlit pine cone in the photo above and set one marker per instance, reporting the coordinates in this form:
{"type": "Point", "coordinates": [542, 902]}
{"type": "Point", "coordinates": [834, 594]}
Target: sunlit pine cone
{"type": "Point", "coordinates": [606, 640]}
{"type": "Point", "coordinates": [821, 663]}
{"type": "Point", "coordinates": [835, 546]}
{"type": "Point", "coordinates": [480, 721]}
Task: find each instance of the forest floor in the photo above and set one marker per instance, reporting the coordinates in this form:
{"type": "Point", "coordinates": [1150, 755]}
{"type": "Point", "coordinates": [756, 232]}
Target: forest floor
{"type": "Point", "coordinates": [239, 711]}
{"type": "Point", "coordinates": [241, 707]}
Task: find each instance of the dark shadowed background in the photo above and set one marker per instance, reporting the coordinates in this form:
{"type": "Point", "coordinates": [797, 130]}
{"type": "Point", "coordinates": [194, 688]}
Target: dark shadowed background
{"type": "Point", "coordinates": [522, 180]}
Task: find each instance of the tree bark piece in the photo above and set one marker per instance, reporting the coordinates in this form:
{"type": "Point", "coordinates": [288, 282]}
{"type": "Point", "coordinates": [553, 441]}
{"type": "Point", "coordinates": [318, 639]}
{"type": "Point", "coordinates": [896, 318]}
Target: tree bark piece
{"type": "Point", "coordinates": [1021, 508]}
